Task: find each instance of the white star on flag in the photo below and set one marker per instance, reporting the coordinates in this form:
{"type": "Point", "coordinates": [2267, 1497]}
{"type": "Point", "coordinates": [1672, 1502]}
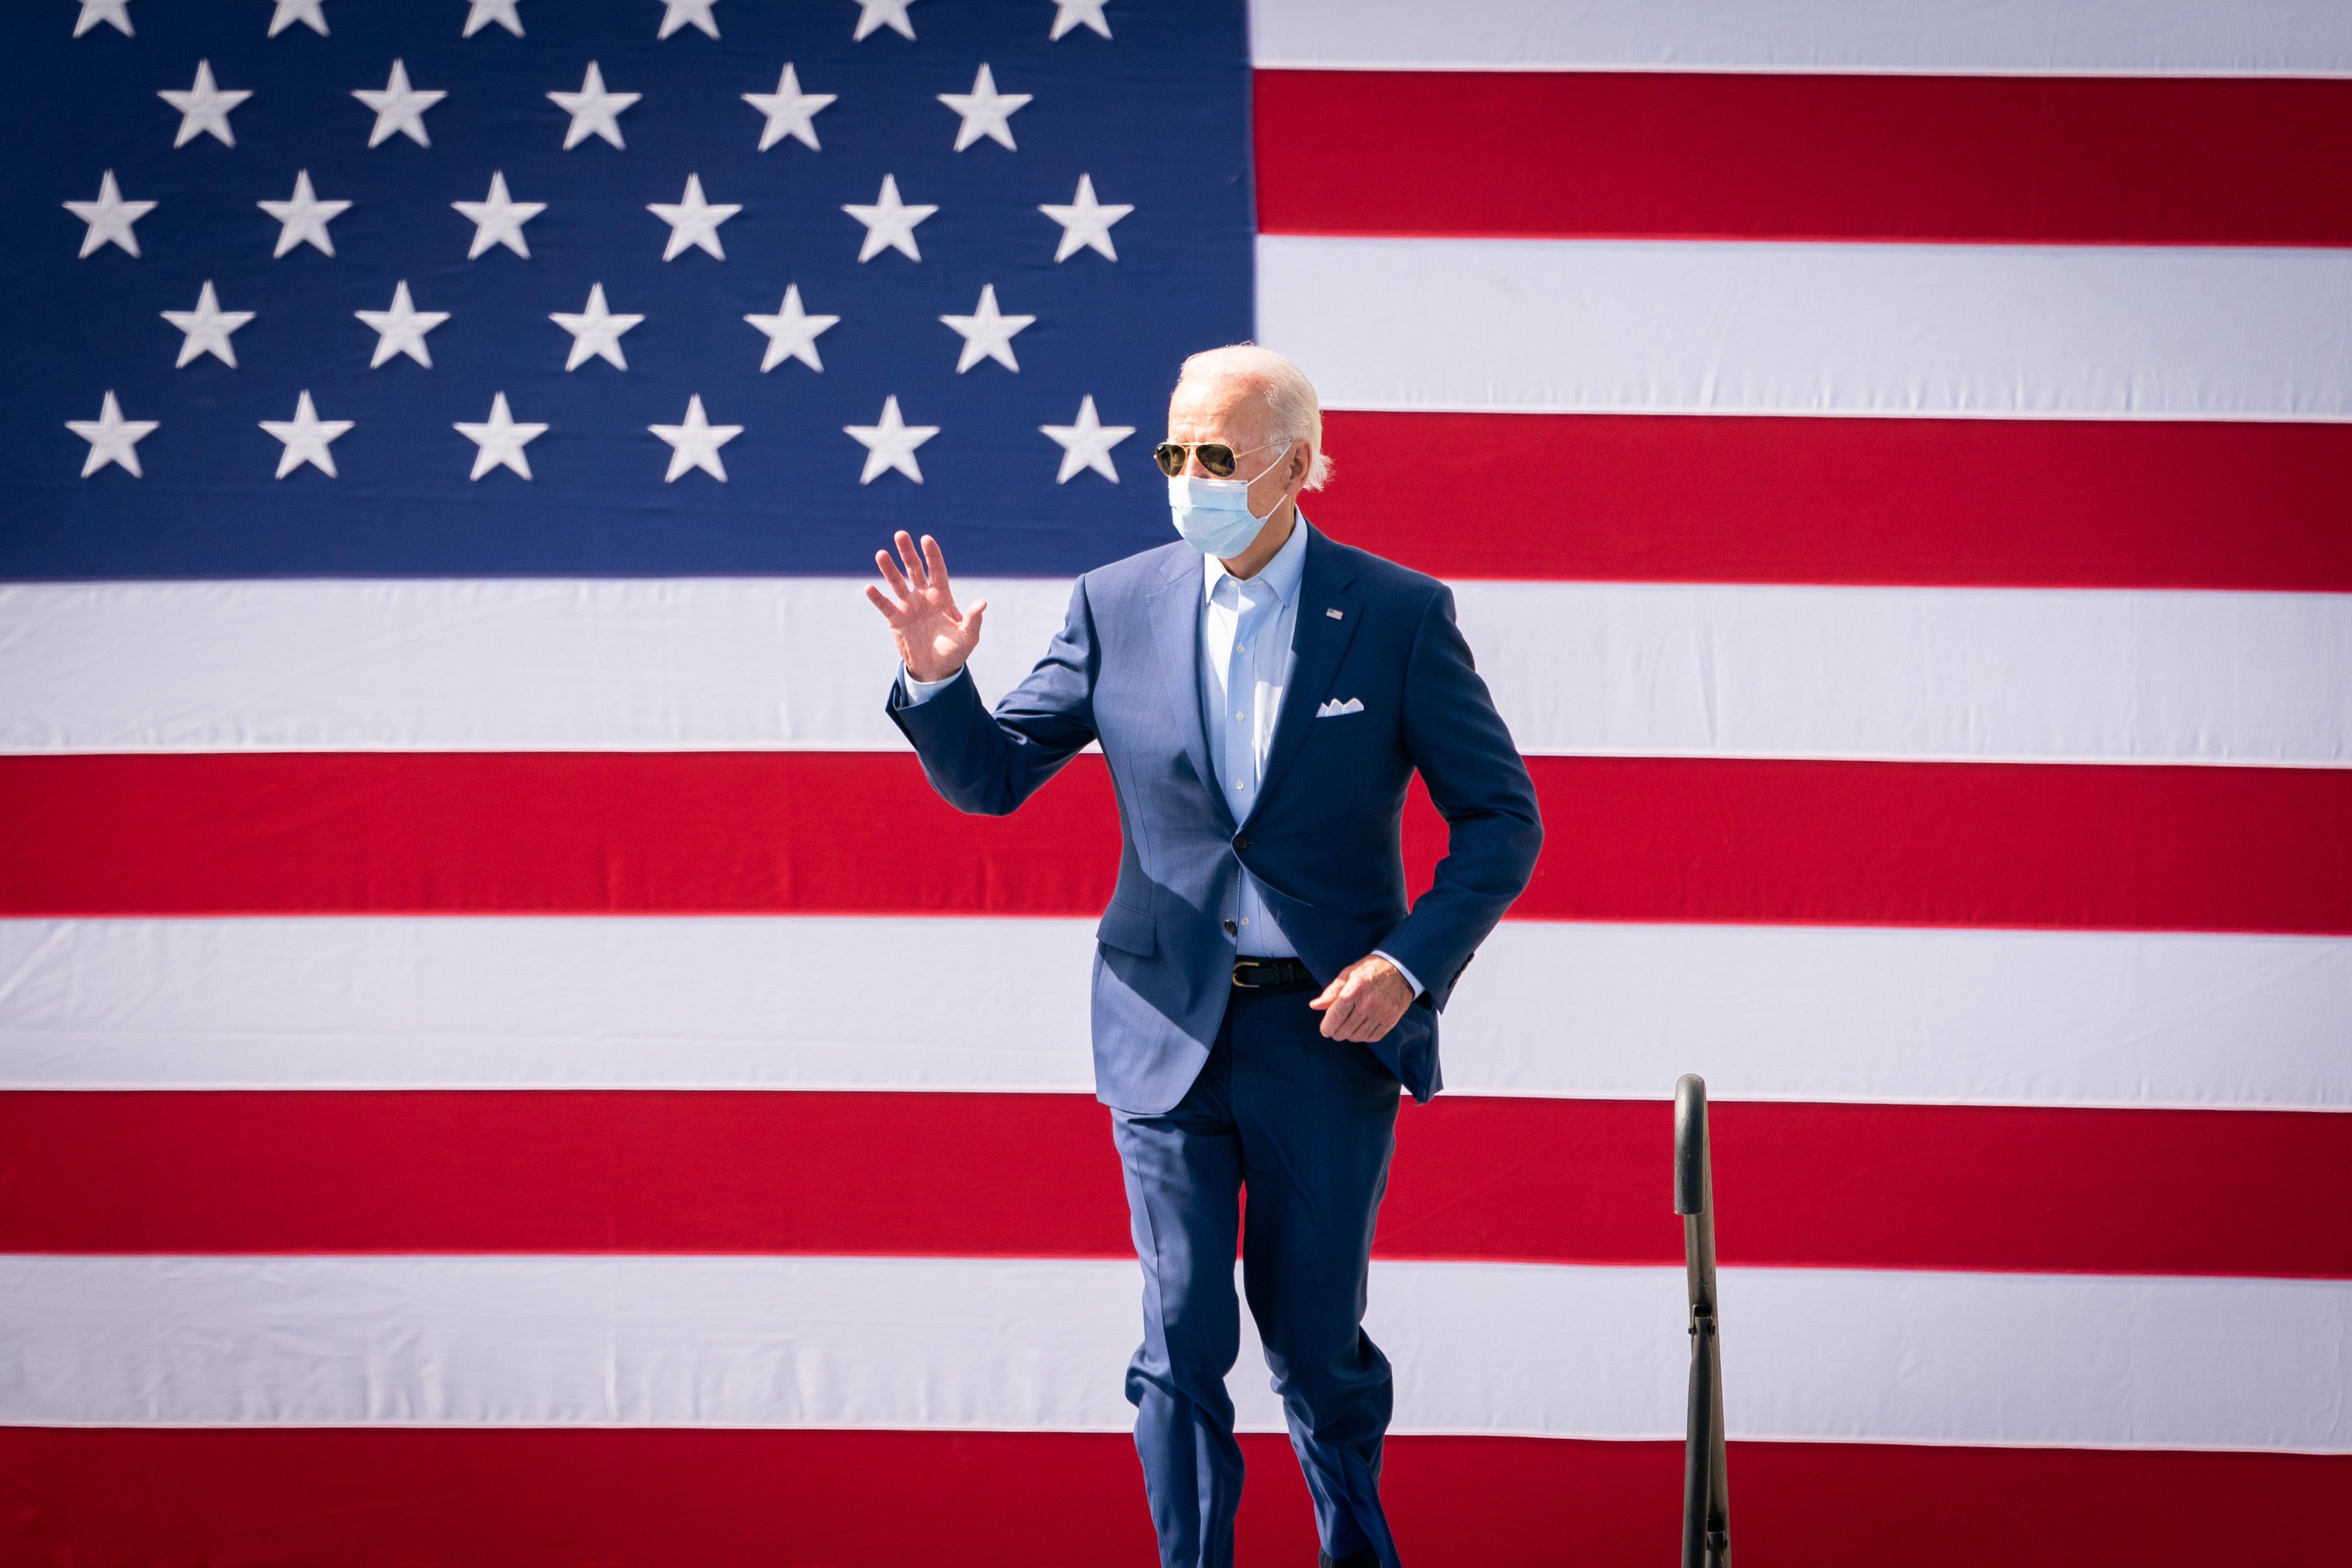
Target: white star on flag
{"type": "Point", "coordinates": [306, 437]}
{"type": "Point", "coordinates": [499, 442]}
{"type": "Point", "coordinates": [873, 13]}
{"type": "Point", "coordinates": [399, 107]}
{"type": "Point", "coordinates": [203, 108]}
{"type": "Point", "coordinates": [791, 333]}
{"type": "Point", "coordinates": [790, 112]}
{"type": "Point", "coordinates": [115, 12]}
{"type": "Point", "coordinates": [889, 224]}
{"type": "Point", "coordinates": [207, 328]}
{"type": "Point", "coordinates": [485, 12]}
{"type": "Point", "coordinates": [307, 12]}
{"type": "Point", "coordinates": [693, 221]}
{"type": "Point", "coordinates": [402, 328]}
{"type": "Point", "coordinates": [677, 13]}
{"type": "Point", "coordinates": [985, 111]}
{"type": "Point", "coordinates": [1087, 444]}
{"type": "Point", "coordinates": [594, 110]}
{"type": "Point", "coordinates": [596, 331]}
{"type": "Point", "coordinates": [109, 217]}
{"type": "Point", "coordinates": [1068, 14]}
{"type": "Point", "coordinates": [112, 438]}
{"type": "Point", "coordinates": [696, 444]}
{"type": "Point", "coordinates": [497, 218]}
{"type": "Point", "coordinates": [305, 217]}
{"type": "Point", "coordinates": [1085, 222]}
{"type": "Point", "coordinates": [892, 444]}
{"type": "Point", "coordinates": [986, 334]}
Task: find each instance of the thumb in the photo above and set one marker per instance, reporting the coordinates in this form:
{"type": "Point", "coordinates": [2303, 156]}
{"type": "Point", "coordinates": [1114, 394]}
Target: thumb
{"type": "Point", "coordinates": [1330, 994]}
{"type": "Point", "coordinates": [971, 619]}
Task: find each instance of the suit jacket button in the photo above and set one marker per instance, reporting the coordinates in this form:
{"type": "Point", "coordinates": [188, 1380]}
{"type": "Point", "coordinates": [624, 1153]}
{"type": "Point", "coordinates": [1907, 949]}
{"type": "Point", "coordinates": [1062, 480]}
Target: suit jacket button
{"type": "Point", "coordinates": [1230, 928]}
{"type": "Point", "coordinates": [1241, 840]}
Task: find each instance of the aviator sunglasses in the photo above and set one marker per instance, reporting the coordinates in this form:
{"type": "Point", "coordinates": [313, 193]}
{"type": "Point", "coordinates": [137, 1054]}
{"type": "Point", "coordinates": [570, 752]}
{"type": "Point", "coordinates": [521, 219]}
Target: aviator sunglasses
{"type": "Point", "coordinates": [1215, 456]}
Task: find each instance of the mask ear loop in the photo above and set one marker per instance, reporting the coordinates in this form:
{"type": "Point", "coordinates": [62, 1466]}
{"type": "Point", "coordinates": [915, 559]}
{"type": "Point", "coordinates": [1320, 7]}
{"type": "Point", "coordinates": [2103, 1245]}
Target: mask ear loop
{"type": "Point", "coordinates": [1262, 473]}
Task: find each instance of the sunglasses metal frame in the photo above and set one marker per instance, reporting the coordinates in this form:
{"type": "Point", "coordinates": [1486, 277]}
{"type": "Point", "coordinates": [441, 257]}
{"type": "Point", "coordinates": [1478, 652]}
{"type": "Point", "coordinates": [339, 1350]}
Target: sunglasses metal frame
{"type": "Point", "coordinates": [1189, 448]}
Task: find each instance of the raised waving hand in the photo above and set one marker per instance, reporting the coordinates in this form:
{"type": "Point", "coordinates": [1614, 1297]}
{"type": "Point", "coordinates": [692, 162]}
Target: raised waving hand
{"type": "Point", "coordinates": [934, 639]}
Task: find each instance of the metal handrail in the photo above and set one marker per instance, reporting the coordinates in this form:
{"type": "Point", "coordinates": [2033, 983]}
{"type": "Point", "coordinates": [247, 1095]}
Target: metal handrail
{"type": "Point", "coordinates": [1707, 1528]}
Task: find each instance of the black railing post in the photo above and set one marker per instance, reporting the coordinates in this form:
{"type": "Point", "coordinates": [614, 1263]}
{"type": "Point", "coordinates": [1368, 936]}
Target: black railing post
{"type": "Point", "coordinates": [1706, 1529]}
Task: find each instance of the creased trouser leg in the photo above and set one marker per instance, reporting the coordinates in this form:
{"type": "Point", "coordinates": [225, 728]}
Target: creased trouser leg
{"type": "Point", "coordinates": [1183, 1185]}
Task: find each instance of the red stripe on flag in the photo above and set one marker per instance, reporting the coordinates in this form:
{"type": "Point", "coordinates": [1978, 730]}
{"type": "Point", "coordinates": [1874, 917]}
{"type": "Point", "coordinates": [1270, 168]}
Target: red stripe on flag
{"type": "Point", "coordinates": [2045, 160]}
{"type": "Point", "coordinates": [1958, 503]}
{"type": "Point", "coordinates": [1897, 843]}
{"type": "Point", "coordinates": [553, 833]}
{"type": "Point", "coordinates": [899, 1173]}
{"type": "Point", "coordinates": [522, 1499]}
{"type": "Point", "coordinates": [2223, 849]}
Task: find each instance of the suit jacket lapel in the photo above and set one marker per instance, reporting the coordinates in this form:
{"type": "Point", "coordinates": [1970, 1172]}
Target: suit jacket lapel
{"type": "Point", "coordinates": [1175, 610]}
{"type": "Point", "coordinates": [1320, 640]}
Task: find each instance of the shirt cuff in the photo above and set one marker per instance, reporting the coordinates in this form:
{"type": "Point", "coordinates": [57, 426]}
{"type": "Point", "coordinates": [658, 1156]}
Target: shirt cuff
{"type": "Point", "coordinates": [1401, 970]}
{"type": "Point", "coordinates": [920, 692]}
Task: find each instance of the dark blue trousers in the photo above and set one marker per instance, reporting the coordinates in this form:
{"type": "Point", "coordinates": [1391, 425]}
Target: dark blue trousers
{"type": "Point", "coordinates": [1305, 1125]}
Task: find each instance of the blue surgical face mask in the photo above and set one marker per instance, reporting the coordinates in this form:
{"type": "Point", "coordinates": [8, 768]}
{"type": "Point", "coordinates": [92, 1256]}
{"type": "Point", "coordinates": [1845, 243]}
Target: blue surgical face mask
{"type": "Point", "coordinates": [1213, 515]}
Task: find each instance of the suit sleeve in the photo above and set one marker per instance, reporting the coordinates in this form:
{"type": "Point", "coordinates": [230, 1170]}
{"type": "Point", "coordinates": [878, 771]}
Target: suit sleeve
{"type": "Point", "coordinates": [989, 763]}
{"type": "Point", "coordinates": [1465, 754]}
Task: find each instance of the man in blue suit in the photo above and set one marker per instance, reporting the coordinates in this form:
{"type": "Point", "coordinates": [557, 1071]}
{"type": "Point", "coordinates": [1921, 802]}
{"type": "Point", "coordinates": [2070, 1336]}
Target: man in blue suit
{"type": "Point", "coordinates": [1261, 694]}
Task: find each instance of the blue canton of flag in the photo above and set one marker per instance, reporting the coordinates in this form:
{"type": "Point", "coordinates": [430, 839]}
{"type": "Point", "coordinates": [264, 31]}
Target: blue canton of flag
{"type": "Point", "coordinates": [627, 287]}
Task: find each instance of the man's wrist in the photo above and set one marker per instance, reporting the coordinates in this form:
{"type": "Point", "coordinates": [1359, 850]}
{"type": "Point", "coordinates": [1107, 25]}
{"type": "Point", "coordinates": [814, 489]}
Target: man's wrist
{"type": "Point", "coordinates": [923, 691]}
{"type": "Point", "coordinates": [1406, 975]}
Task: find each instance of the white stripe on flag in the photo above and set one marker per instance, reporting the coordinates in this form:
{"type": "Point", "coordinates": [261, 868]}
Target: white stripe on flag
{"type": "Point", "coordinates": [1804, 1013]}
{"type": "Point", "coordinates": [1919, 674]}
{"type": "Point", "coordinates": [2007, 37]}
{"type": "Point", "coordinates": [1613, 669]}
{"type": "Point", "coordinates": [1704, 327]}
{"type": "Point", "coordinates": [1022, 1345]}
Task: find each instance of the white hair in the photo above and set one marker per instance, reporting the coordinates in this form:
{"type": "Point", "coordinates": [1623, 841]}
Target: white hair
{"type": "Point", "coordinates": [1290, 400]}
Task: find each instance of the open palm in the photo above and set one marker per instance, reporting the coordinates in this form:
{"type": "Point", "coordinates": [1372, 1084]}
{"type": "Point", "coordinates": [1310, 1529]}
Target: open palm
{"type": "Point", "coordinates": [934, 639]}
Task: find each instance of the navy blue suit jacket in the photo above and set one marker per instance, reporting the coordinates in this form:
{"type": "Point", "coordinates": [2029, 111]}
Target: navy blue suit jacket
{"type": "Point", "coordinates": [1323, 835]}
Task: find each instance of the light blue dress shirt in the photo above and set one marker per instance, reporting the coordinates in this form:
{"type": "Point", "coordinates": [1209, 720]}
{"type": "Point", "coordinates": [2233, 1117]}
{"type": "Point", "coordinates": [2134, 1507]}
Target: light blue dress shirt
{"type": "Point", "coordinates": [1247, 632]}
{"type": "Point", "coordinates": [1246, 658]}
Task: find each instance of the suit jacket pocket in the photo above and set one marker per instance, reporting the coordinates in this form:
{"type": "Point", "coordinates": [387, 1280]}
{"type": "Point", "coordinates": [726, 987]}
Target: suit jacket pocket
{"type": "Point", "coordinates": [1129, 929]}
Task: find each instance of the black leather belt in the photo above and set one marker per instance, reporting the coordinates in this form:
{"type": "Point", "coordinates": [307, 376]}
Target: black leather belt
{"type": "Point", "coordinates": [1251, 974]}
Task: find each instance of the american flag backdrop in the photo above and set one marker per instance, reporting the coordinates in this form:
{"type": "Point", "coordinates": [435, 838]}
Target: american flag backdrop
{"type": "Point", "coordinates": [504, 1061]}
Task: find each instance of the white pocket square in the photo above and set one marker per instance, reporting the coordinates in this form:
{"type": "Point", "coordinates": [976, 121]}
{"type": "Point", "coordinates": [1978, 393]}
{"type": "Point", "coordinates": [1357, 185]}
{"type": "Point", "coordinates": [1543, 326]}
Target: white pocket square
{"type": "Point", "coordinates": [1335, 707]}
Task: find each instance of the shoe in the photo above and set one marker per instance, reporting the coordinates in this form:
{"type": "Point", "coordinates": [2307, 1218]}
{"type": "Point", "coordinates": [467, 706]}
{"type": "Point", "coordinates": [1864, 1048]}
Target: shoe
{"type": "Point", "coordinates": [1365, 1558]}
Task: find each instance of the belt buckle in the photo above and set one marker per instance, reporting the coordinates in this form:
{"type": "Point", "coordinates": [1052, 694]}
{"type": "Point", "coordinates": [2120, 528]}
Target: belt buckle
{"type": "Point", "coordinates": [1245, 984]}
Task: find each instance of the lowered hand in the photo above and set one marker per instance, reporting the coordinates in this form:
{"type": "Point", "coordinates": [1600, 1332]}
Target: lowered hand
{"type": "Point", "coordinates": [934, 639]}
{"type": "Point", "coordinates": [1365, 1002]}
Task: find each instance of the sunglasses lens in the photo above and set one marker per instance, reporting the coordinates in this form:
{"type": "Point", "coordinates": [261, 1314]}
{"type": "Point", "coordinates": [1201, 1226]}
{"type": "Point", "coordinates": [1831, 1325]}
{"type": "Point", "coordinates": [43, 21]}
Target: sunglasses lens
{"type": "Point", "coordinates": [1215, 456]}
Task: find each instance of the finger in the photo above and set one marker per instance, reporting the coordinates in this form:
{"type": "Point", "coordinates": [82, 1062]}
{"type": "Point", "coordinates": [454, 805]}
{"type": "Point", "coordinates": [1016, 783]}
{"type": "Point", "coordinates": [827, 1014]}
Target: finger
{"type": "Point", "coordinates": [1381, 1014]}
{"type": "Point", "coordinates": [891, 574]}
{"type": "Point", "coordinates": [881, 601]}
{"type": "Point", "coordinates": [910, 558]}
{"type": "Point", "coordinates": [935, 565]}
{"type": "Point", "coordinates": [1366, 1003]}
{"type": "Point", "coordinates": [1348, 1023]}
{"type": "Point", "coordinates": [971, 619]}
